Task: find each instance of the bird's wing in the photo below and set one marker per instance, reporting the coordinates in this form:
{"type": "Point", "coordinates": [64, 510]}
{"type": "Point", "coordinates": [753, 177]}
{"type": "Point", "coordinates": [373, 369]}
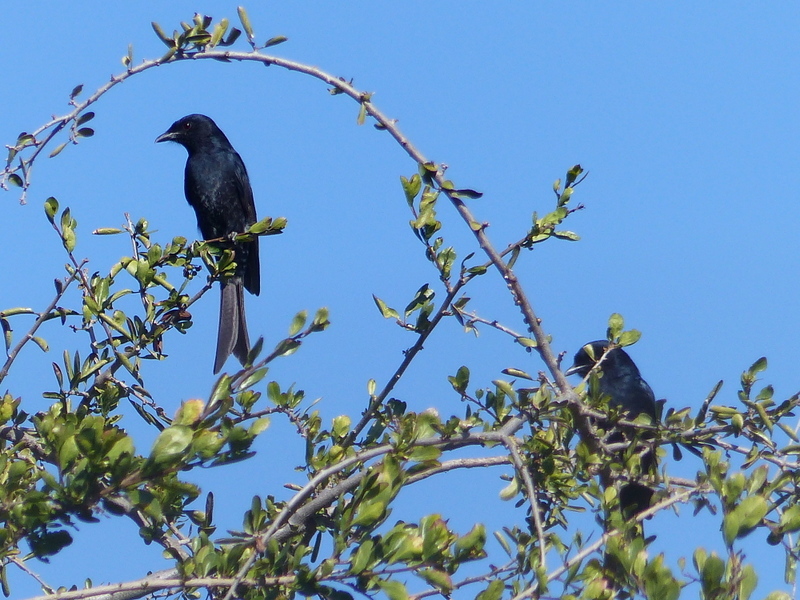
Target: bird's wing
{"type": "Point", "coordinates": [252, 274]}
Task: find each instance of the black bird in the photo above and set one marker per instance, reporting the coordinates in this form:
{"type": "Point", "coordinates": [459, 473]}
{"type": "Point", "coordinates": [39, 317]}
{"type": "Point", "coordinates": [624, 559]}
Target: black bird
{"type": "Point", "coordinates": [621, 381]}
{"type": "Point", "coordinates": [218, 189]}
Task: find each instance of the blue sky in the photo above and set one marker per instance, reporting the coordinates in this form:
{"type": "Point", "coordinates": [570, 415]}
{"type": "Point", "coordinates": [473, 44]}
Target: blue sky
{"type": "Point", "coordinates": [684, 114]}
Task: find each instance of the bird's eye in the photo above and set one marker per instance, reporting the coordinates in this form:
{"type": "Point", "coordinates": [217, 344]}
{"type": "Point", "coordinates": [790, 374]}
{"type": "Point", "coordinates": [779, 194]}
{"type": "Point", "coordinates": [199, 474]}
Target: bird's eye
{"type": "Point", "coordinates": [187, 125]}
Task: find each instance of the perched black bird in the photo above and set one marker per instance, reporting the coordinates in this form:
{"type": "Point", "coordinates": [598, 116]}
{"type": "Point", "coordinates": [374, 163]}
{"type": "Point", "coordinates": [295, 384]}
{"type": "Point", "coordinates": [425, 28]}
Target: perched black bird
{"type": "Point", "coordinates": [218, 189]}
{"type": "Point", "coordinates": [621, 381]}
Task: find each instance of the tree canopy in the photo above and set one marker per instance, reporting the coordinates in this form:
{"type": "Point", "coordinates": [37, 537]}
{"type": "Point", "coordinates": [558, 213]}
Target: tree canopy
{"type": "Point", "coordinates": [549, 446]}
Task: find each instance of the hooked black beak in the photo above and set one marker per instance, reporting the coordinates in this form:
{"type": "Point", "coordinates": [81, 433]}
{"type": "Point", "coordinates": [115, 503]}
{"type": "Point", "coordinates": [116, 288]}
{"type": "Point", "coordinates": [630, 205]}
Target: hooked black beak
{"type": "Point", "coordinates": [573, 370]}
{"type": "Point", "coordinates": [167, 136]}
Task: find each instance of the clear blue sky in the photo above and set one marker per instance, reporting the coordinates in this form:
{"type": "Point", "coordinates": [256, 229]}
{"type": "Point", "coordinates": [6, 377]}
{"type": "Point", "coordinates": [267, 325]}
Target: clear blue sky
{"type": "Point", "coordinates": [685, 114]}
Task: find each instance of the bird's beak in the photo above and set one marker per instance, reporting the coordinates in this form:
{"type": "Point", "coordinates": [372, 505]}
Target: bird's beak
{"type": "Point", "coordinates": [167, 136]}
{"type": "Point", "coordinates": [573, 370]}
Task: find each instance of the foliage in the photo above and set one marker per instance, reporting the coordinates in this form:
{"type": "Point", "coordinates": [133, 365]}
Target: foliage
{"type": "Point", "coordinates": [73, 460]}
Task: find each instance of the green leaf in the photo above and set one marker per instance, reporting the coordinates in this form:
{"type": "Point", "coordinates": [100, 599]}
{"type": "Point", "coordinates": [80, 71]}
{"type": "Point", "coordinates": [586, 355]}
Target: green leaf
{"type": "Point", "coordinates": [510, 491]}
{"type": "Point", "coordinates": [320, 321]}
{"type": "Point", "coordinates": [493, 592]}
{"type": "Point", "coordinates": [744, 518]}
{"type": "Point", "coordinates": [369, 513]}
{"type": "Point", "coordinates": [438, 579]}
{"type": "Point", "coordinates": [41, 343]}
{"type": "Point", "coordinates": [51, 208]}
{"type": "Point", "coordinates": [362, 559]}
{"type": "Point", "coordinates": [170, 43]}
{"type": "Point", "coordinates": [252, 379]}
{"type": "Point", "coordinates": [573, 174]}
{"type": "Point", "coordinates": [466, 193]}
{"type": "Point", "coordinates": [58, 150]}
{"type": "Point", "coordinates": [394, 590]}
{"type": "Point", "coordinates": [411, 187]}
{"type": "Point", "coordinates": [423, 454]}
{"type": "Point", "coordinates": [386, 311]}
{"type": "Point", "coordinates": [630, 337]}
{"type": "Point", "coordinates": [790, 519]}
{"type": "Point", "coordinates": [84, 118]}
{"type": "Point", "coordinates": [278, 39]}
{"type": "Point", "coordinates": [516, 373]}
{"type": "Point", "coordinates": [470, 545]}
{"type": "Point", "coordinates": [461, 380]}
{"type": "Point", "coordinates": [219, 31]}
{"type": "Point", "coordinates": [424, 295]}
{"type": "Point", "coordinates": [298, 322]}
{"type": "Point", "coordinates": [527, 342]}
{"type": "Point", "coordinates": [341, 425]}
{"type": "Point", "coordinates": [189, 412]}
{"type": "Point", "coordinates": [287, 347]}
{"type": "Point", "coordinates": [245, 19]}
{"type": "Point", "coordinates": [615, 326]}
{"type": "Point", "coordinates": [259, 426]}
{"type": "Point", "coordinates": [567, 235]}
{"type": "Point", "coordinates": [170, 445]}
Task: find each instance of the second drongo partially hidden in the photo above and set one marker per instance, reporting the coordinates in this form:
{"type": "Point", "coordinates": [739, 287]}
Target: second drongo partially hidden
{"type": "Point", "coordinates": [621, 381]}
{"type": "Point", "coordinates": [218, 189]}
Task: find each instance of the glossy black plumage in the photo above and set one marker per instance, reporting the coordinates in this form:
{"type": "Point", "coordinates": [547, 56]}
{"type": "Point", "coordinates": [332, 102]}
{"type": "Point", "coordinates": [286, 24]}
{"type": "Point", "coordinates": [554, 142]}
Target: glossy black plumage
{"type": "Point", "coordinates": [621, 381]}
{"type": "Point", "coordinates": [217, 187]}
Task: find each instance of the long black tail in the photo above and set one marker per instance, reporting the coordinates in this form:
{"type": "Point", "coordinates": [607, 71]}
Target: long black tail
{"type": "Point", "coordinates": [232, 335]}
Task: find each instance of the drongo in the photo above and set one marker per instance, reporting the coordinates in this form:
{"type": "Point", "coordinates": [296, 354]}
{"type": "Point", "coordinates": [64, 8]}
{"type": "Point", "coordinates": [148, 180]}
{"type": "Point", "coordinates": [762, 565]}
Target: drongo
{"type": "Point", "coordinates": [218, 189]}
{"type": "Point", "coordinates": [620, 380]}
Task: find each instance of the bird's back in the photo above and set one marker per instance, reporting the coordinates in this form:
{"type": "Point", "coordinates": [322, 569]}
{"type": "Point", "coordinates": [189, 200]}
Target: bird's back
{"type": "Point", "coordinates": [218, 188]}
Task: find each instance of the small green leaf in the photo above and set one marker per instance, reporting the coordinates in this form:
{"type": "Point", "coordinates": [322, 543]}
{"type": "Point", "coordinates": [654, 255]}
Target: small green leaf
{"type": "Point", "coordinates": [615, 326]}
{"type": "Point", "coordinates": [386, 311]}
{"type": "Point", "coordinates": [466, 193]}
{"type": "Point", "coordinates": [567, 235]}
{"type": "Point", "coordinates": [630, 337]}
{"type": "Point", "coordinates": [298, 322]}
{"type": "Point", "coordinates": [516, 373]}
{"type": "Point", "coordinates": [245, 19]}
{"type": "Point", "coordinates": [493, 592]}
{"type": "Point", "coordinates": [278, 39]}
{"type": "Point", "coordinates": [411, 187]}
{"type": "Point", "coordinates": [438, 579]}
{"type": "Point", "coordinates": [84, 118]}
{"type": "Point", "coordinates": [368, 513]}
{"type": "Point", "coordinates": [394, 590]}
{"type": "Point", "coordinates": [41, 343]}
{"type": "Point", "coordinates": [341, 425]}
{"type": "Point", "coordinates": [170, 43]}
{"type": "Point", "coordinates": [510, 491]}
{"type": "Point", "coordinates": [58, 149]}
{"type": "Point", "coordinates": [170, 444]}
{"type": "Point", "coordinates": [219, 32]}
{"type": "Point", "coordinates": [573, 174]}
{"type": "Point", "coordinates": [259, 426]}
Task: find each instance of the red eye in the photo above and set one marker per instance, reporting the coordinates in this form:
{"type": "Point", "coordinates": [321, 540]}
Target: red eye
{"type": "Point", "coordinates": [187, 125]}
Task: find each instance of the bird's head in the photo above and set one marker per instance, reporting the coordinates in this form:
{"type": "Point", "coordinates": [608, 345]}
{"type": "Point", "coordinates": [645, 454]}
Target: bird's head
{"type": "Point", "coordinates": [194, 131]}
